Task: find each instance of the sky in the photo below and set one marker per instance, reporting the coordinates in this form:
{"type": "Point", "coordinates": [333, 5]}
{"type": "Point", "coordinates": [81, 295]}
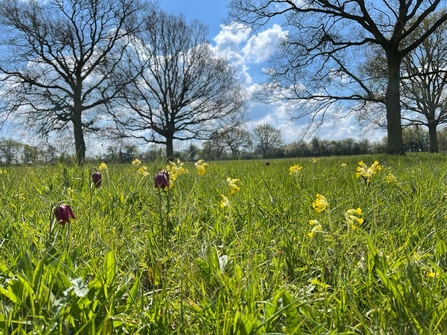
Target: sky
{"type": "Point", "coordinates": [249, 52]}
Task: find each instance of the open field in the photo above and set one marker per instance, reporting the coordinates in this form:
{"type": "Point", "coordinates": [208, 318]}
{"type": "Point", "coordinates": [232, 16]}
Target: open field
{"type": "Point", "coordinates": [364, 258]}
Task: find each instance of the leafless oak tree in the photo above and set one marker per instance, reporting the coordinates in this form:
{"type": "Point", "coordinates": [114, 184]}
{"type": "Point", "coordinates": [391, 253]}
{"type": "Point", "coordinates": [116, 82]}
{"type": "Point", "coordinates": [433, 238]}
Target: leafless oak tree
{"type": "Point", "coordinates": [423, 82]}
{"type": "Point", "coordinates": [62, 61]}
{"type": "Point", "coordinates": [184, 91]}
{"type": "Point", "coordinates": [266, 138]}
{"type": "Point", "coordinates": [318, 62]}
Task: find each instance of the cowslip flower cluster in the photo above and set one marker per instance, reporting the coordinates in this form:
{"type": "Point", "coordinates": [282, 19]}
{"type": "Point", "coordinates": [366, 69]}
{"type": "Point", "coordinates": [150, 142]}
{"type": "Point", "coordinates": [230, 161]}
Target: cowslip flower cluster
{"type": "Point", "coordinates": [390, 178]}
{"type": "Point", "coordinates": [316, 228]}
{"type": "Point", "coordinates": [143, 170]}
{"type": "Point", "coordinates": [295, 169]}
{"type": "Point", "coordinates": [175, 169]}
{"type": "Point", "coordinates": [353, 218]}
{"type": "Point", "coordinates": [232, 185]}
{"type": "Point", "coordinates": [63, 213]}
{"type": "Point", "coordinates": [102, 167]}
{"type": "Point", "coordinates": [367, 172]}
{"type": "Point", "coordinates": [225, 202]}
{"type": "Point", "coordinates": [201, 167]}
{"type": "Point", "coordinates": [136, 162]}
{"type": "Point", "coordinates": [320, 204]}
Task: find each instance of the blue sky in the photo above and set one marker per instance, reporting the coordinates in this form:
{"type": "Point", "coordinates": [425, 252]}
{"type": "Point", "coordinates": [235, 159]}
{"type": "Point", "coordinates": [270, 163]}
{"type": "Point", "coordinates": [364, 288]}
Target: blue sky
{"type": "Point", "coordinates": [211, 12]}
{"type": "Point", "coordinates": [249, 51]}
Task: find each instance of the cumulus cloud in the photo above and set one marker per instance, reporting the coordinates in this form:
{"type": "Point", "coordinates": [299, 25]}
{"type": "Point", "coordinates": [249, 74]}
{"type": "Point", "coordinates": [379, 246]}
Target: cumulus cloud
{"type": "Point", "coordinates": [230, 37]}
{"type": "Point", "coordinates": [259, 47]}
{"type": "Point", "coordinates": [247, 52]}
{"type": "Point", "coordinates": [243, 49]}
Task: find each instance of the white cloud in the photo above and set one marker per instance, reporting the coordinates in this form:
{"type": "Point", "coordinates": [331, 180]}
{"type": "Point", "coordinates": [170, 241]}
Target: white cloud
{"type": "Point", "coordinates": [230, 37]}
{"type": "Point", "coordinates": [259, 47]}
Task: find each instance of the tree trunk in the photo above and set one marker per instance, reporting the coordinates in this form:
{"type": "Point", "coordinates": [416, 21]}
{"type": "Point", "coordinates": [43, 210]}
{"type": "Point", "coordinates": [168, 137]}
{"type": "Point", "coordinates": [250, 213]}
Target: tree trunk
{"type": "Point", "coordinates": [433, 136]}
{"type": "Point", "coordinates": [79, 139]}
{"type": "Point", "coordinates": [170, 146]}
{"type": "Point", "coordinates": [395, 143]}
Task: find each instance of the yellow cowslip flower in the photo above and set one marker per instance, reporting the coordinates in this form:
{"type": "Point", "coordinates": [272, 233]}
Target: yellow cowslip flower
{"type": "Point", "coordinates": [136, 162]}
{"type": "Point", "coordinates": [175, 169]}
{"type": "Point", "coordinates": [343, 165]}
{"type": "Point", "coordinates": [232, 185]}
{"type": "Point", "coordinates": [2, 171]}
{"type": "Point", "coordinates": [314, 160]}
{"type": "Point", "coordinates": [70, 191]}
{"type": "Point", "coordinates": [390, 178]}
{"type": "Point", "coordinates": [225, 202]}
{"type": "Point", "coordinates": [143, 170]}
{"type": "Point", "coordinates": [102, 167]}
{"type": "Point", "coordinates": [367, 172]}
{"type": "Point", "coordinates": [313, 222]}
{"type": "Point", "coordinates": [417, 257]}
{"type": "Point", "coordinates": [353, 217]}
{"type": "Point", "coordinates": [201, 167]}
{"type": "Point", "coordinates": [295, 169]}
{"type": "Point", "coordinates": [431, 274]}
{"type": "Point", "coordinates": [317, 227]}
{"type": "Point", "coordinates": [320, 204]}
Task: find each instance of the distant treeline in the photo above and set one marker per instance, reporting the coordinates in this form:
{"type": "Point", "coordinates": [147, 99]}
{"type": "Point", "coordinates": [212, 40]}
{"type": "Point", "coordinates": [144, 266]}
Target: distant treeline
{"type": "Point", "coordinates": [416, 139]}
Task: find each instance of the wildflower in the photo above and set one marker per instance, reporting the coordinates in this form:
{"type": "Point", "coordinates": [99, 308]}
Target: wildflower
{"type": "Point", "coordinates": [431, 274]}
{"type": "Point", "coordinates": [175, 169]}
{"type": "Point", "coordinates": [136, 162]}
{"type": "Point", "coordinates": [417, 257]}
{"type": "Point", "coordinates": [96, 178]}
{"type": "Point", "coordinates": [267, 163]}
{"type": "Point", "coordinates": [2, 171]}
{"type": "Point", "coordinates": [316, 228]}
{"type": "Point", "coordinates": [314, 160]}
{"type": "Point", "coordinates": [162, 180]}
{"type": "Point", "coordinates": [102, 167]}
{"type": "Point", "coordinates": [353, 218]}
{"type": "Point", "coordinates": [320, 204]}
{"type": "Point", "coordinates": [367, 172]}
{"type": "Point", "coordinates": [143, 170]}
{"type": "Point", "coordinates": [225, 202]}
{"type": "Point", "coordinates": [63, 213]}
{"type": "Point", "coordinates": [295, 169]}
{"type": "Point", "coordinates": [232, 184]}
{"type": "Point", "coordinates": [343, 165]}
{"type": "Point", "coordinates": [201, 167]}
{"type": "Point", "coordinates": [390, 178]}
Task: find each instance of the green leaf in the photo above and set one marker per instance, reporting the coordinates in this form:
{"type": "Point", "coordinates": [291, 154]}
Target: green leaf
{"type": "Point", "coordinates": [109, 268]}
{"type": "Point", "coordinates": [292, 316]}
{"type": "Point", "coordinates": [133, 294]}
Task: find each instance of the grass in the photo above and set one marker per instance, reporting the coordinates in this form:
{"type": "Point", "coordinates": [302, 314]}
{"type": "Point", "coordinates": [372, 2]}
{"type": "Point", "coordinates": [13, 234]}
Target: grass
{"type": "Point", "coordinates": [140, 260]}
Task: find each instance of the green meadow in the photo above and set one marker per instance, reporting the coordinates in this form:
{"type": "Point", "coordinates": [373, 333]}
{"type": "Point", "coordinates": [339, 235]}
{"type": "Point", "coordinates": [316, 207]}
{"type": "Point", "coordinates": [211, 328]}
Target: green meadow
{"type": "Point", "coordinates": [318, 248]}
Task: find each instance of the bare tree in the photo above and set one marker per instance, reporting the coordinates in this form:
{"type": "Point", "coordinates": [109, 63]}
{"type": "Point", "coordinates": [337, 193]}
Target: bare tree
{"type": "Point", "coordinates": [235, 139]}
{"type": "Point", "coordinates": [318, 62]}
{"type": "Point", "coordinates": [423, 83]}
{"type": "Point", "coordinates": [62, 61]}
{"type": "Point", "coordinates": [184, 91]}
{"type": "Point", "coordinates": [266, 138]}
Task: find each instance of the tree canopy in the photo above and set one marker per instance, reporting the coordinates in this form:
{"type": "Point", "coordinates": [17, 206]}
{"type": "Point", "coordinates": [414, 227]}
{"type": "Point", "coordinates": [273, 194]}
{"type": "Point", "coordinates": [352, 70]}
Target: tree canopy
{"type": "Point", "coordinates": [183, 90]}
{"type": "Point", "coordinates": [61, 61]}
{"type": "Point", "coordinates": [318, 63]}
